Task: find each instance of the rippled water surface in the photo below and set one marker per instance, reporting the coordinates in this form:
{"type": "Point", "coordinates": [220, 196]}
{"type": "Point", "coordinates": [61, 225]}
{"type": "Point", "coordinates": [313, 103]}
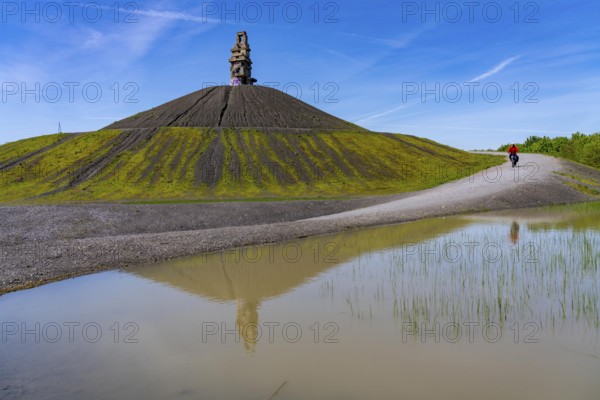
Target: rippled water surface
{"type": "Point", "coordinates": [494, 306]}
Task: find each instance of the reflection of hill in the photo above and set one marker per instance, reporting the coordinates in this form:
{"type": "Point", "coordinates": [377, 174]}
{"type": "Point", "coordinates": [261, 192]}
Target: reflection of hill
{"type": "Point", "coordinates": [253, 274]}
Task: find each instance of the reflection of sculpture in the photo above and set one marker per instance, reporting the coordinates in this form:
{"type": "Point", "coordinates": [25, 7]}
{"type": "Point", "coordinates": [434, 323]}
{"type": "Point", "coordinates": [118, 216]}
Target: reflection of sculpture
{"type": "Point", "coordinates": [246, 276]}
{"type": "Point", "coordinates": [514, 232]}
{"type": "Point", "coordinates": [247, 323]}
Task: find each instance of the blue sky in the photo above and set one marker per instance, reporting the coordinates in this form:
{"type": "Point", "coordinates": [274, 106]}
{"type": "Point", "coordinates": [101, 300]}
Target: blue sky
{"type": "Point", "coordinates": [468, 74]}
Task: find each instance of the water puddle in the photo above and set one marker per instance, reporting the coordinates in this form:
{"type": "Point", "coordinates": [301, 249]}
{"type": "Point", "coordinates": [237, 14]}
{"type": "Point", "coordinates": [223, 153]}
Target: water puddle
{"type": "Point", "coordinates": [495, 306]}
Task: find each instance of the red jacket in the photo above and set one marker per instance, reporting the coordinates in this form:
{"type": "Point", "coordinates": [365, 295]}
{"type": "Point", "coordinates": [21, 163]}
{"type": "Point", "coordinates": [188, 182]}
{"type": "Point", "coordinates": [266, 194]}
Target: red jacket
{"type": "Point", "coordinates": [513, 149]}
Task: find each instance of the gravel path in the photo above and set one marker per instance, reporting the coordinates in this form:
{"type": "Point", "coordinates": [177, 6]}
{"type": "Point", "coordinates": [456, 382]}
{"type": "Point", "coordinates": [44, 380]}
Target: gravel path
{"type": "Point", "coordinates": [40, 244]}
{"type": "Point", "coordinates": [533, 182]}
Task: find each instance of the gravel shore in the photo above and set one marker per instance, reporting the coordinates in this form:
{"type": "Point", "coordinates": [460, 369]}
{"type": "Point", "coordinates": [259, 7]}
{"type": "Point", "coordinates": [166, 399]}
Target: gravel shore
{"type": "Point", "coordinates": [40, 244]}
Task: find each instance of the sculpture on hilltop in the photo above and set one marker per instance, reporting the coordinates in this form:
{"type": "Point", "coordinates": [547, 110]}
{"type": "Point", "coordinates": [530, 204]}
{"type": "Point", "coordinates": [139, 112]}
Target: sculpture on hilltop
{"type": "Point", "coordinates": [240, 105]}
{"type": "Point", "coordinates": [241, 65]}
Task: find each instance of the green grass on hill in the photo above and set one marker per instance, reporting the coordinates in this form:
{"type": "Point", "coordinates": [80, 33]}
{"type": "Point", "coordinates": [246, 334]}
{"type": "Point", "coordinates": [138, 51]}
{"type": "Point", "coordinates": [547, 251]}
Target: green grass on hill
{"type": "Point", "coordinates": [188, 164]}
{"type": "Point", "coordinates": [51, 169]}
{"type": "Point", "coordinates": [15, 150]}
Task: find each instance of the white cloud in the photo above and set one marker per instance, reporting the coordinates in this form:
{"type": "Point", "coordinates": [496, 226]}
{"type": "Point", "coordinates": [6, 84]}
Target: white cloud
{"type": "Point", "coordinates": [496, 69]}
{"type": "Point", "coordinates": [381, 114]}
{"type": "Point", "coordinates": [95, 39]}
{"type": "Point", "coordinates": [482, 129]}
{"type": "Point", "coordinates": [343, 56]}
{"type": "Point", "coordinates": [177, 16]}
{"type": "Point", "coordinates": [122, 44]}
{"type": "Point", "coordinates": [22, 72]}
{"type": "Point", "coordinates": [398, 43]}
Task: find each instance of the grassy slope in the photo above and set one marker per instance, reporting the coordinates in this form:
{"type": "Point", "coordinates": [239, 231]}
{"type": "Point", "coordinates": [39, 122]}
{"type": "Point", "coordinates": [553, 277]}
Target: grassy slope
{"type": "Point", "coordinates": [190, 163]}
{"type": "Point", "coordinates": [23, 147]}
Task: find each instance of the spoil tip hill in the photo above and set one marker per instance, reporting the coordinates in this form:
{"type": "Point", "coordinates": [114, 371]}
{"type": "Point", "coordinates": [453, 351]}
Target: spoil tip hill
{"type": "Point", "coordinates": [234, 142]}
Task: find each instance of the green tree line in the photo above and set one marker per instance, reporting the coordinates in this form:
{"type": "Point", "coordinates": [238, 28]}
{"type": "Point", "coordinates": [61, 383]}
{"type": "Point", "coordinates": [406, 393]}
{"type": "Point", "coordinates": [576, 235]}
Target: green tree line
{"type": "Point", "coordinates": [581, 148]}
